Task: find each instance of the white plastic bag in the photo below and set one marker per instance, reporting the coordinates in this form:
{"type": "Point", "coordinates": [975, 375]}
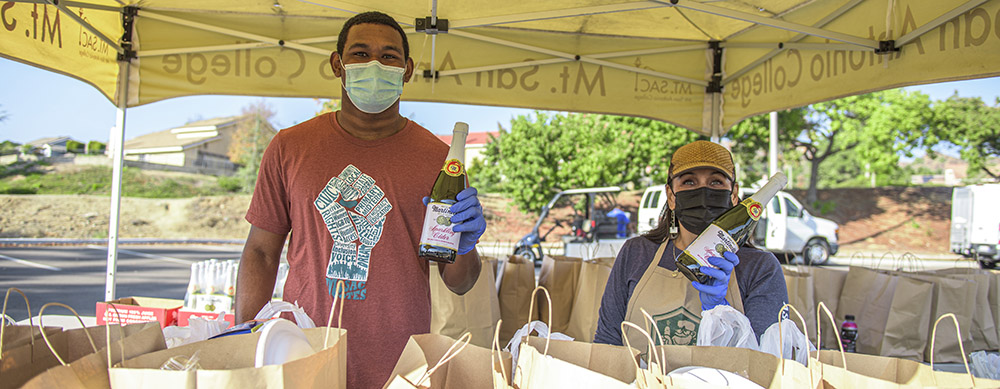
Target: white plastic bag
{"type": "Point", "coordinates": [537, 326]}
{"type": "Point", "coordinates": [792, 344]}
{"type": "Point", "coordinates": [727, 327]}
{"type": "Point", "coordinates": [985, 365]}
{"type": "Point", "coordinates": [273, 308]}
{"type": "Point", "coordinates": [198, 329]}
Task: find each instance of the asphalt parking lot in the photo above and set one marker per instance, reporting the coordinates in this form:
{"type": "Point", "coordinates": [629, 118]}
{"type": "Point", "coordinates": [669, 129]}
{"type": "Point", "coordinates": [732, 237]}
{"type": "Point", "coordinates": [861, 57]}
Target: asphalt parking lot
{"type": "Point", "coordinates": [75, 275]}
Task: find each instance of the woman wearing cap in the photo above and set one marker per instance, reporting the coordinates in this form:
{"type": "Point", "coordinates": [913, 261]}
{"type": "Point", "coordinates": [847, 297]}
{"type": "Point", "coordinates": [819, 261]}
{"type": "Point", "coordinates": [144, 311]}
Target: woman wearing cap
{"type": "Point", "coordinates": [701, 186]}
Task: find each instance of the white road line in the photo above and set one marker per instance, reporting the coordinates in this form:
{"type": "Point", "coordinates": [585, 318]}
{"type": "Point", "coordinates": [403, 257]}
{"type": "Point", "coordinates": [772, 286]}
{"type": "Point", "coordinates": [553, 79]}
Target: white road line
{"type": "Point", "coordinates": [29, 263]}
{"type": "Point", "coordinates": [144, 255]}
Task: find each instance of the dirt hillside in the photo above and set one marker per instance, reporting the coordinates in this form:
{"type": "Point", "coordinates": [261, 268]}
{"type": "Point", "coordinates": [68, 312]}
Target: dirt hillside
{"type": "Point", "coordinates": [874, 221]}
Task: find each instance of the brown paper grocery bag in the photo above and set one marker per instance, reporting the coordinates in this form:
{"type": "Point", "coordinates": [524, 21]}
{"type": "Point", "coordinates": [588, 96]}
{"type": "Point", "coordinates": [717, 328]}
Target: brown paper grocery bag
{"type": "Point", "coordinates": [560, 276]}
{"type": "Point", "coordinates": [801, 295]}
{"type": "Point", "coordinates": [984, 331]}
{"type": "Point", "coordinates": [476, 312]}
{"type": "Point", "coordinates": [828, 282]}
{"type": "Point", "coordinates": [956, 296]}
{"type": "Point", "coordinates": [892, 312]}
{"type": "Point", "coordinates": [536, 370]}
{"type": "Point", "coordinates": [41, 352]}
{"type": "Point", "coordinates": [228, 362]}
{"type": "Point", "coordinates": [436, 361]}
{"type": "Point", "coordinates": [587, 303]}
{"type": "Point", "coordinates": [515, 295]}
{"type": "Point", "coordinates": [91, 371]}
{"type": "Point", "coordinates": [871, 371]}
{"type": "Point", "coordinates": [617, 362]}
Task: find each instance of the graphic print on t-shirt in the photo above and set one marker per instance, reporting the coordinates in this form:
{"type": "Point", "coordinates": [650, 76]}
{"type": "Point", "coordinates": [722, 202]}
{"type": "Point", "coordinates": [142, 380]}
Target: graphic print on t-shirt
{"type": "Point", "coordinates": [353, 208]}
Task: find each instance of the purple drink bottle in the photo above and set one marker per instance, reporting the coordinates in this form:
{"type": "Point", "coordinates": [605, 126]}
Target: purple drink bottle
{"type": "Point", "coordinates": [849, 334]}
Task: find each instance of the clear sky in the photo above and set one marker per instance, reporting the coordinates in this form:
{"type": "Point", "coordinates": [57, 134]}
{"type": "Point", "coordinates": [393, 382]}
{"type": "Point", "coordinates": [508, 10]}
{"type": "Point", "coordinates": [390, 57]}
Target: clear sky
{"type": "Point", "coordinates": [40, 104]}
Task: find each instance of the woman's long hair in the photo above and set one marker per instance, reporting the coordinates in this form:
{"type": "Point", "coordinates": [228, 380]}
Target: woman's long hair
{"type": "Point", "coordinates": [661, 233]}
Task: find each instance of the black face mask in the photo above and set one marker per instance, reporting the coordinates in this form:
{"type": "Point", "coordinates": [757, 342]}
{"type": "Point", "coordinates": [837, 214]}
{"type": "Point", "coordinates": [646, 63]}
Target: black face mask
{"type": "Point", "coordinates": [697, 208]}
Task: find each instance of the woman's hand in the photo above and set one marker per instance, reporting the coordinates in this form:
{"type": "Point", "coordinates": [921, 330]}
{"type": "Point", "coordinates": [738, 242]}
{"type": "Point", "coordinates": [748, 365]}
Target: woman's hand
{"type": "Point", "coordinates": [714, 293]}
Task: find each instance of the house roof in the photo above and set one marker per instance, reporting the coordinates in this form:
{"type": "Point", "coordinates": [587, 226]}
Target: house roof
{"type": "Point", "coordinates": [49, 140]}
{"type": "Point", "coordinates": [474, 138]}
{"type": "Point", "coordinates": [180, 137]}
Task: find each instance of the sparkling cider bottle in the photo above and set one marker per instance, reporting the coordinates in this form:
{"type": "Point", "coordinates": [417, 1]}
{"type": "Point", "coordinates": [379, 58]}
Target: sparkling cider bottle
{"type": "Point", "coordinates": [438, 241]}
{"type": "Point", "coordinates": [728, 232]}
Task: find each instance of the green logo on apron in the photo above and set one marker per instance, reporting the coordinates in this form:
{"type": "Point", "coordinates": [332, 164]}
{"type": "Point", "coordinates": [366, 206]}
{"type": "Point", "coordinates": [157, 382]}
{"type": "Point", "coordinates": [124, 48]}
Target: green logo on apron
{"type": "Point", "coordinates": [677, 327]}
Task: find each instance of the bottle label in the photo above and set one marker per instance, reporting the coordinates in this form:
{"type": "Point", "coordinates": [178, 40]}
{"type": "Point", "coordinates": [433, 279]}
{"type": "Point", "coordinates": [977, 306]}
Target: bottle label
{"type": "Point", "coordinates": [453, 167]}
{"type": "Point", "coordinates": [711, 243]}
{"type": "Point", "coordinates": [754, 208]}
{"type": "Point", "coordinates": [438, 227]}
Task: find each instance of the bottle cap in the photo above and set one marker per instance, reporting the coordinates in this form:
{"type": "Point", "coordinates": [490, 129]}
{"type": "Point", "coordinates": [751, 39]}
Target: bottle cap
{"type": "Point", "coordinates": [461, 127]}
{"type": "Point", "coordinates": [849, 317]}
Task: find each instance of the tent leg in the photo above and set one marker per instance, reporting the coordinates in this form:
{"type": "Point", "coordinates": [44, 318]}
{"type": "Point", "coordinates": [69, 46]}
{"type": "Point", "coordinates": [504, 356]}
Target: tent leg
{"type": "Point", "coordinates": [118, 140]}
{"type": "Point", "coordinates": [772, 150]}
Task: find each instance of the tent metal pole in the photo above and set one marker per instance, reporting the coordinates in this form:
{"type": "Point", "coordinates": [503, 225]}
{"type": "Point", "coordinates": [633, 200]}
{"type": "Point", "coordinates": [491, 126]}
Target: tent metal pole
{"type": "Point", "coordinates": [822, 22]}
{"type": "Point", "coordinates": [772, 149]}
{"type": "Point", "coordinates": [571, 57]}
{"type": "Point", "coordinates": [234, 33]}
{"type": "Point", "coordinates": [85, 25]}
{"type": "Point", "coordinates": [555, 14]}
{"type": "Point", "coordinates": [938, 21]}
{"type": "Point", "coordinates": [118, 140]}
{"type": "Point", "coordinates": [776, 23]}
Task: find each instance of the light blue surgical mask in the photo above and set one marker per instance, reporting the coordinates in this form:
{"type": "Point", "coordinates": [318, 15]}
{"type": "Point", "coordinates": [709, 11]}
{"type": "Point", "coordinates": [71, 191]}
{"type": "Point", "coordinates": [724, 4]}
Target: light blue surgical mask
{"type": "Point", "coordinates": [372, 86]}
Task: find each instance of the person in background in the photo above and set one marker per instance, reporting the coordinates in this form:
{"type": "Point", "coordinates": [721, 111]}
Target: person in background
{"type": "Point", "coordinates": [347, 186]}
{"type": "Point", "coordinates": [701, 186]}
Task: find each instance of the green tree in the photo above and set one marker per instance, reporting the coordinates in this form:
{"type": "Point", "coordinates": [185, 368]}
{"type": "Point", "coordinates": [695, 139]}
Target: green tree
{"type": "Point", "coordinates": [95, 147]}
{"type": "Point", "coordinates": [878, 127]}
{"type": "Point", "coordinates": [73, 146]}
{"type": "Point", "coordinates": [751, 142]}
{"type": "Point", "coordinates": [547, 153]}
{"type": "Point", "coordinates": [973, 126]}
{"type": "Point", "coordinates": [251, 137]}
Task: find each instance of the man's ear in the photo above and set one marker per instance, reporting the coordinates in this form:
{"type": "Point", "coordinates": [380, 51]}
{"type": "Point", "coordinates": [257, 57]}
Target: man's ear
{"type": "Point", "coordinates": [409, 70]}
{"type": "Point", "coordinates": [335, 64]}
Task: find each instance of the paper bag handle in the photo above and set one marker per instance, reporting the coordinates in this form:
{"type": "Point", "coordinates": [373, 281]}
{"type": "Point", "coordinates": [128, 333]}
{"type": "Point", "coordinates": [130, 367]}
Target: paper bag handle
{"type": "Point", "coordinates": [3, 318]}
{"type": "Point", "coordinates": [531, 310]}
{"type": "Point", "coordinates": [649, 349]}
{"type": "Point", "coordinates": [495, 355]}
{"type": "Point", "coordinates": [781, 341]}
{"type": "Point", "coordinates": [819, 330]}
{"type": "Point", "coordinates": [340, 288]}
{"type": "Point", "coordinates": [46, 338]}
{"type": "Point", "coordinates": [448, 355]}
{"type": "Point", "coordinates": [121, 334]}
{"type": "Point", "coordinates": [961, 347]}
{"type": "Point", "coordinates": [651, 322]}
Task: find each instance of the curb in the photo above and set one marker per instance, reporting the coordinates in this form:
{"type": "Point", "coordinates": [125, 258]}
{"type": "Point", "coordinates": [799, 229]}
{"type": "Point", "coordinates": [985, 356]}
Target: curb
{"type": "Point", "coordinates": [134, 241]}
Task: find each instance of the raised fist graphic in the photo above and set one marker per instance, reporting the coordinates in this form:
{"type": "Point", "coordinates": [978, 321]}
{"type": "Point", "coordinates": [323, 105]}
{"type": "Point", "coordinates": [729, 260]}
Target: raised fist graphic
{"type": "Point", "coordinates": [353, 208]}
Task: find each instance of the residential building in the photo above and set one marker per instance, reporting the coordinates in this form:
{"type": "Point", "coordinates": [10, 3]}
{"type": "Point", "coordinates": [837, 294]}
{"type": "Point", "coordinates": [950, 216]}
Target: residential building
{"type": "Point", "coordinates": [475, 144]}
{"type": "Point", "coordinates": [201, 144]}
{"type": "Point", "coordinates": [50, 147]}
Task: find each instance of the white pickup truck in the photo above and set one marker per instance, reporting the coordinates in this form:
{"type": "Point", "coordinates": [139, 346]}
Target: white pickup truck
{"type": "Point", "coordinates": [786, 227]}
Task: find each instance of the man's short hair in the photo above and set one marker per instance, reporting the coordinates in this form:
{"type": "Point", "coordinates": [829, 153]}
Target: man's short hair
{"type": "Point", "coordinates": [373, 17]}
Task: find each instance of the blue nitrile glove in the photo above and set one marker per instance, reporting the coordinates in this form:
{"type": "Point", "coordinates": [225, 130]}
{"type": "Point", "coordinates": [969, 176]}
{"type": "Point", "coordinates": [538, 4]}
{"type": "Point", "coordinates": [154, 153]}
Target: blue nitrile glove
{"type": "Point", "coordinates": [714, 293]}
{"type": "Point", "coordinates": [468, 216]}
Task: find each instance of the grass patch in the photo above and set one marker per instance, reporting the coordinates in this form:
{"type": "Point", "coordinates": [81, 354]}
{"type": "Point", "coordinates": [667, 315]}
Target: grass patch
{"type": "Point", "coordinates": [96, 180]}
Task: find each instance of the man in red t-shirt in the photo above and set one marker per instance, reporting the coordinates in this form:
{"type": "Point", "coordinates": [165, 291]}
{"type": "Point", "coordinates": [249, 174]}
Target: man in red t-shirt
{"type": "Point", "coordinates": [347, 187]}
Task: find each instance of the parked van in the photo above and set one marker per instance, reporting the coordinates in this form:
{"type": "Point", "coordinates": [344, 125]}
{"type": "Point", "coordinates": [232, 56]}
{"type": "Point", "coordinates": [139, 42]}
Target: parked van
{"type": "Point", "coordinates": [786, 227]}
{"type": "Point", "coordinates": [975, 223]}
